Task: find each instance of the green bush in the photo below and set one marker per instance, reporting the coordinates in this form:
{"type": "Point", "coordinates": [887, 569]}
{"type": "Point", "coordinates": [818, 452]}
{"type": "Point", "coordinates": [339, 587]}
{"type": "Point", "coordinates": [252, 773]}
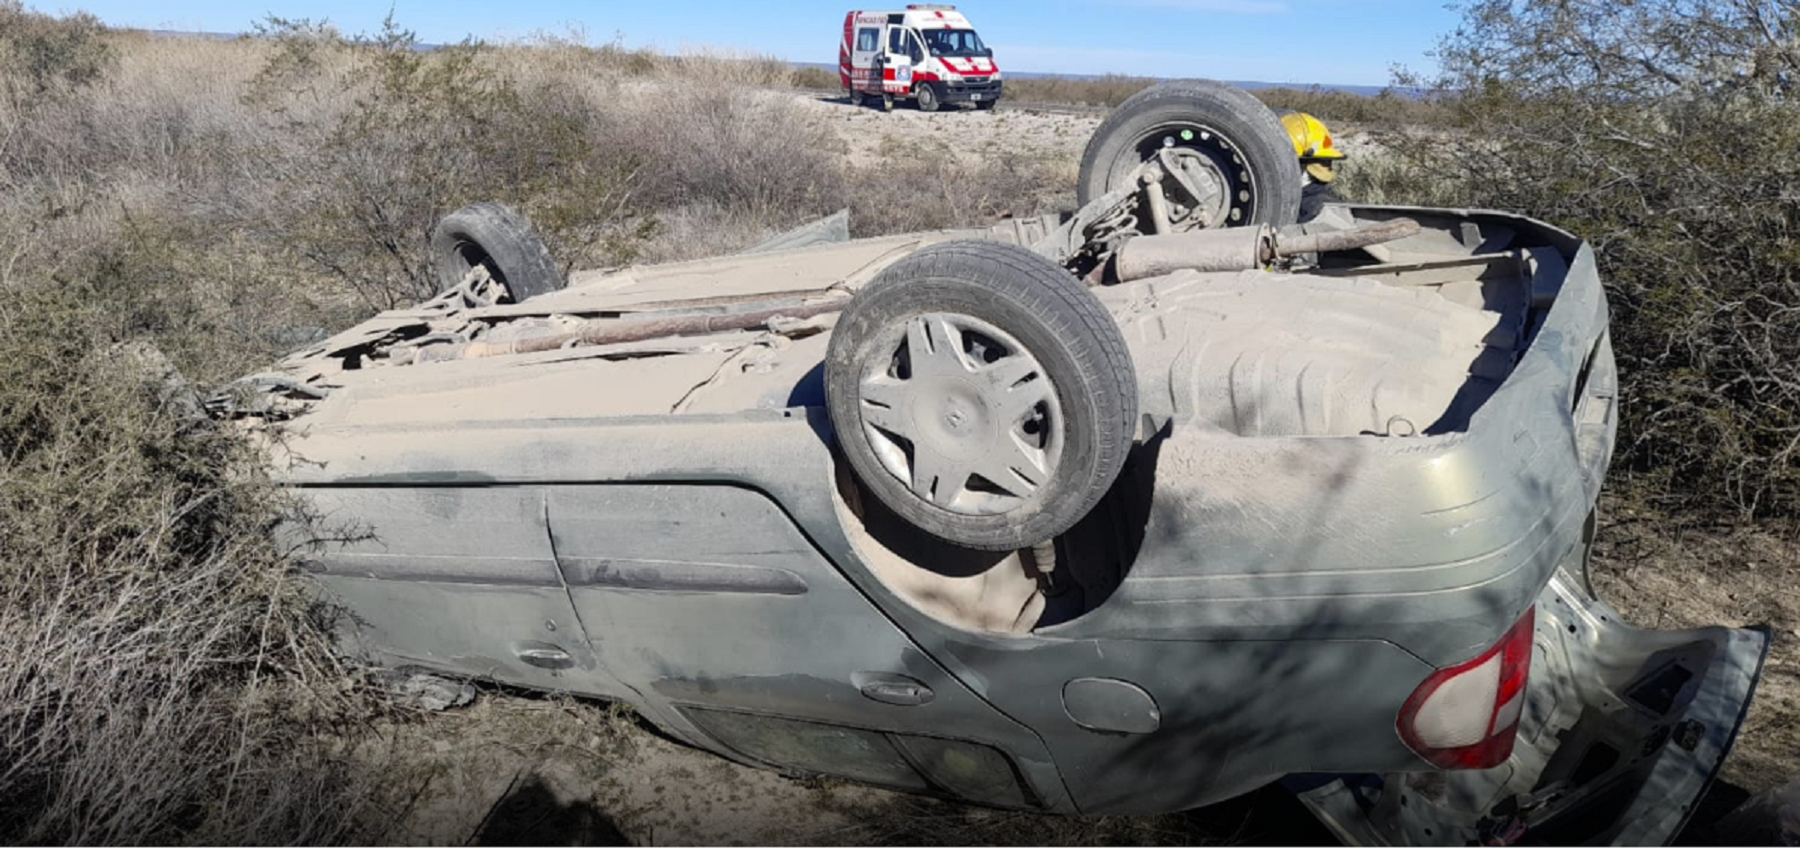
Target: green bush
{"type": "Point", "coordinates": [1662, 131]}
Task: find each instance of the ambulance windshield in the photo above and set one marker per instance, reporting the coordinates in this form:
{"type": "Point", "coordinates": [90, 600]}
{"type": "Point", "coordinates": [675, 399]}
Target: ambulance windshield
{"type": "Point", "coordinates": [954, 42]}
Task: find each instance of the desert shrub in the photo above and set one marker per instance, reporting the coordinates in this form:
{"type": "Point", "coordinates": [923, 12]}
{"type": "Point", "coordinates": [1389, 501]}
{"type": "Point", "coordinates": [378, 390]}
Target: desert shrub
{"type": "Point", "coordinates": [416, 135]}
{"type": "Point", "coordinates": [749, 151]}
{"type": "Point", "coordinates": [1663, 132]}
{"type": "Point", "coordinates": [159, 652]}
{"type": "Point", "coordinates": [167, 679]}
{"type": "Point", "coordinates": [1108, 90]}
{"type": "Point", "coordinates": [41, 56]}
{"type": "Point", "coordinates": [939, 192]}
{"type": "Point", "coordinates": [817, 78]}
{"type": "Point", "coordinates": [1390, 108]}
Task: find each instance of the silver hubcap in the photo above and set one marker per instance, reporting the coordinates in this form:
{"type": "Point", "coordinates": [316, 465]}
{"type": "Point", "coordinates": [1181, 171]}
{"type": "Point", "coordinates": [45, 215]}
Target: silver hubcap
{"type": "Point", "coordinates": [963, 415]}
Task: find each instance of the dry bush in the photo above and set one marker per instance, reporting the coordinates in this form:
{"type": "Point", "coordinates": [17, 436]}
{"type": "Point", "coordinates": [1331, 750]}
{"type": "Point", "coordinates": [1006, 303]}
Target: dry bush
{"type": "Point", "coordinates": [406, 137]}
{"type": "Point", "coordinates": [1663, 132]}
{"type": "Point", "coordinates": [43, 57]}
{"type": "Point", "coordinates": [940, 192]}
{"type": "Point", "coordinates": [817, 78]}
{"type": "Point", "coordinates": [613, 59]}
{"type": "Point", "coordinates": [1391, 108]}
{"type": "Point", "coordinates": [167, 679]}
{"type": "Point", "coordinates": [1108, 90]}
{"type": "Point", "coordinates": [749, 151]}
{"type": "Point", "coordinates": [165, 672]}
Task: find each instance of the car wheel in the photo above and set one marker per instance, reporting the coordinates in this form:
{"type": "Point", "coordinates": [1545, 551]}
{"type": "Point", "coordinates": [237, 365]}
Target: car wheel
{"type": "Point", "coordinates": [856, 98]}
{"type": "Point", "coordinates": [927, 97]}
{"type": "Point", "coordinates": [494, 236]}
{"type": "Point", "coordinates": [982, 393]}
{"type": "Point", "coordinates": [1235, 165]}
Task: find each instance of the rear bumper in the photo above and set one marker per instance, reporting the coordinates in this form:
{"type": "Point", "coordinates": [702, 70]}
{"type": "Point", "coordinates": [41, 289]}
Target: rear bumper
{"type": "Point", "coordinates": [1624, 730]}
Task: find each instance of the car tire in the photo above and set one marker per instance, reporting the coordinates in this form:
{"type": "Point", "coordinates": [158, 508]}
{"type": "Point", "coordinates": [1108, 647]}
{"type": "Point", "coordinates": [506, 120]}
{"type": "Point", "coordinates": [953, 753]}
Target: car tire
{"type": "Point", "coordinates": [927, 97]}
{"type": "Point", "coordinates": [856, 98]}
{"type": "Point", "coordinates": [1016, 419]}
{"type": "Point", "coordinates": [495, 236]}
{"type": "Point", "coordinates": [1222, 128]}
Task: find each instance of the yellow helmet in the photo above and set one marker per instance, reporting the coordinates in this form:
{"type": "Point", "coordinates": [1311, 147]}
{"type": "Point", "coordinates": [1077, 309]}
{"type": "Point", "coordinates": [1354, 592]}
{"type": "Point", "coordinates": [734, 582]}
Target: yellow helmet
{"type": "Point", "coordinates": [1312, 143]}
{"type": "Point", "coordinates": [1311, 139]}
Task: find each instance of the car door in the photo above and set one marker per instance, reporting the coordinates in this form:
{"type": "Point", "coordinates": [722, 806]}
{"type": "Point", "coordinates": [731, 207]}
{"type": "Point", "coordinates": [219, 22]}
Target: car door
{"type": "Point", "coordinates": [898, 57]}
{"type": "Point", "coordinates": [862, 59]}
{"type": "Point", "coordinates": [458, 580]}
{"type": "Point", "coordinates": [741, 636]}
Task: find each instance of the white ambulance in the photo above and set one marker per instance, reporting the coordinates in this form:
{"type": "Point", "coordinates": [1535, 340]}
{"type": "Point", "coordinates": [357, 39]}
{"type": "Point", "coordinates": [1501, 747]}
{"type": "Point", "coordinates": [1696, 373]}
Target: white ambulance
{"type": "Point", "coordinates": [926, 52]}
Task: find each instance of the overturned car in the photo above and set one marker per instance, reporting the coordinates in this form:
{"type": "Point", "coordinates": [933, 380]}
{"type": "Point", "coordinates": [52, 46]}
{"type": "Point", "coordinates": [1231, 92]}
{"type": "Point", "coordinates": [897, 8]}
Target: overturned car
{"type": "Point", "coordinates": [1128, 510]}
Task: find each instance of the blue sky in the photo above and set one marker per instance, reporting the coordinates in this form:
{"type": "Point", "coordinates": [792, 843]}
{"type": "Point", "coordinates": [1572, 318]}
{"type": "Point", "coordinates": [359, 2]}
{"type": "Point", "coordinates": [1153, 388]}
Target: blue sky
{"type": "Point", "coordinates": [1348, 42]}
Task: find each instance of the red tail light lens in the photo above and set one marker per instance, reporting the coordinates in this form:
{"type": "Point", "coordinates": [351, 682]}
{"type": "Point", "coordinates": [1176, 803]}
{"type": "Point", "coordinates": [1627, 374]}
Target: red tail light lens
{"type": "Point", "coordinates": [1466, 716]}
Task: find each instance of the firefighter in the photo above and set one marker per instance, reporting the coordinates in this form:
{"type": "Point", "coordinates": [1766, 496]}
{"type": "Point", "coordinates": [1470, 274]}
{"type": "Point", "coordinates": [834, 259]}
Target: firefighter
{"type": "Point", "coordinates": [1312, 143]}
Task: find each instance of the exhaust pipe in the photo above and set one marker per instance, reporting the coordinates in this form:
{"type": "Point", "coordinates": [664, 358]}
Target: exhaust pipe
{"type": "Point", "coordinates": [1241, 248]}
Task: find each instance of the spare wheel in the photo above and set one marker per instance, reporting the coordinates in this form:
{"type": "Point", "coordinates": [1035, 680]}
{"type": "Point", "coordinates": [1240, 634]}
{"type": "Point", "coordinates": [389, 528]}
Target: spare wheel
{"type": "Point", "coordinates": [494, 236]}
{"type": "Point", "coordinates": [1226, 159]}
{"type": "Point", "coordinates": [982, 393]}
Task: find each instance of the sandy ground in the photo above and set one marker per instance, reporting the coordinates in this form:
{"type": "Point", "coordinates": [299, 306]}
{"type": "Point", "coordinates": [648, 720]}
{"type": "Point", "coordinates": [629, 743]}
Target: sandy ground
{"type": "Point", "coordinates": [873, 136]}
{"type": "Point", "coordinates": [527, 770]}
{"type": "Point", "coordinates": [1667, 578]}
{"type": "Point", "coordinates": [515, 769]}
{"type": "Point", "coordinates": [1046, 133]}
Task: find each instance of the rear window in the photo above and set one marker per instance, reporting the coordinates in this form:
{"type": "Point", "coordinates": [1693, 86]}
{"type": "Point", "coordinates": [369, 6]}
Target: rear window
{"type": "Point", "coordinates": [867, 39]}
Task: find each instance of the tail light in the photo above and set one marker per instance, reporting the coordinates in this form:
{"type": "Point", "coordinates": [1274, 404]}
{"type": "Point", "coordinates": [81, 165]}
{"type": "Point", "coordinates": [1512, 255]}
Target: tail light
{"type": "Point", "coordinates": [1466, 716]}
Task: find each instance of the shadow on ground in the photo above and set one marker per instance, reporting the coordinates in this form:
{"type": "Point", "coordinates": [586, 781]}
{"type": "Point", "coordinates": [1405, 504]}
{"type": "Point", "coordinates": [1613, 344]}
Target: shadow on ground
{"type": "Point", "coordinates": [530, 813]}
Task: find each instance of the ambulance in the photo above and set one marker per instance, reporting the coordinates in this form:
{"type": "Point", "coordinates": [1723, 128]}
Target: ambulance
{"type": "Point", "coordinates": [927, 53]}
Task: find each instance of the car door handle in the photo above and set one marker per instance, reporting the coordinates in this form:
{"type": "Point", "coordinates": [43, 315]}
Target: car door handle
{"type": "Point", "coordinates": [540, 655]}
{"type": "Point", "coordinates": [896, 689]}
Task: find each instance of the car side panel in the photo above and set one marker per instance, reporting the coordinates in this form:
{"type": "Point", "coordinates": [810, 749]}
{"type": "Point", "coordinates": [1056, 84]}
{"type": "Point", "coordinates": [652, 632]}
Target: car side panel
{"type": "Point", "coordinates": [459, 580]}
{"type": "Point", "coordinates": [707, 597]}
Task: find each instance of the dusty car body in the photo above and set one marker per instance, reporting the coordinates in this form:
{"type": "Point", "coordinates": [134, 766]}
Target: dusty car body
{"type": "Point", "coordinates": [1347, 476]}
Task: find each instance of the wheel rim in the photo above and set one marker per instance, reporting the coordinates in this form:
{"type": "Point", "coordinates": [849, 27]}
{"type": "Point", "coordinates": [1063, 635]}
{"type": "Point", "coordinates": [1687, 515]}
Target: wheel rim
{"type": "Point", "coordinates": [1209, 183]}
{"type": "Point", "coordinates": [961, 414]}
{"type": "Point", "coordinates": [927, 100]}
{"type": "Point", "coordinates": [469, 254]}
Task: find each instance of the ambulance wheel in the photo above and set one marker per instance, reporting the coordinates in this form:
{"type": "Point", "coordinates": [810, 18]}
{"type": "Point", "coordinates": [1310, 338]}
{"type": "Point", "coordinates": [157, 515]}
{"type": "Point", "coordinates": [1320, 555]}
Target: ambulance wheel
{"type": "Point", "coordinates": [1229, 148]}
{"type": "Point", "coordinates": [496, 237]}
{"type": "Point", "coordinates": [856, 98]}
{"type": "Point", "coordinates": [981, 393]}
{"type": "Point", "coordinates": [928, 98]}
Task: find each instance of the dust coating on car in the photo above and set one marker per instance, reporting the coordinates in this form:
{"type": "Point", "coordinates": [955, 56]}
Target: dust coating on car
{"type": "Point", "coordinates": [1127, 510]}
